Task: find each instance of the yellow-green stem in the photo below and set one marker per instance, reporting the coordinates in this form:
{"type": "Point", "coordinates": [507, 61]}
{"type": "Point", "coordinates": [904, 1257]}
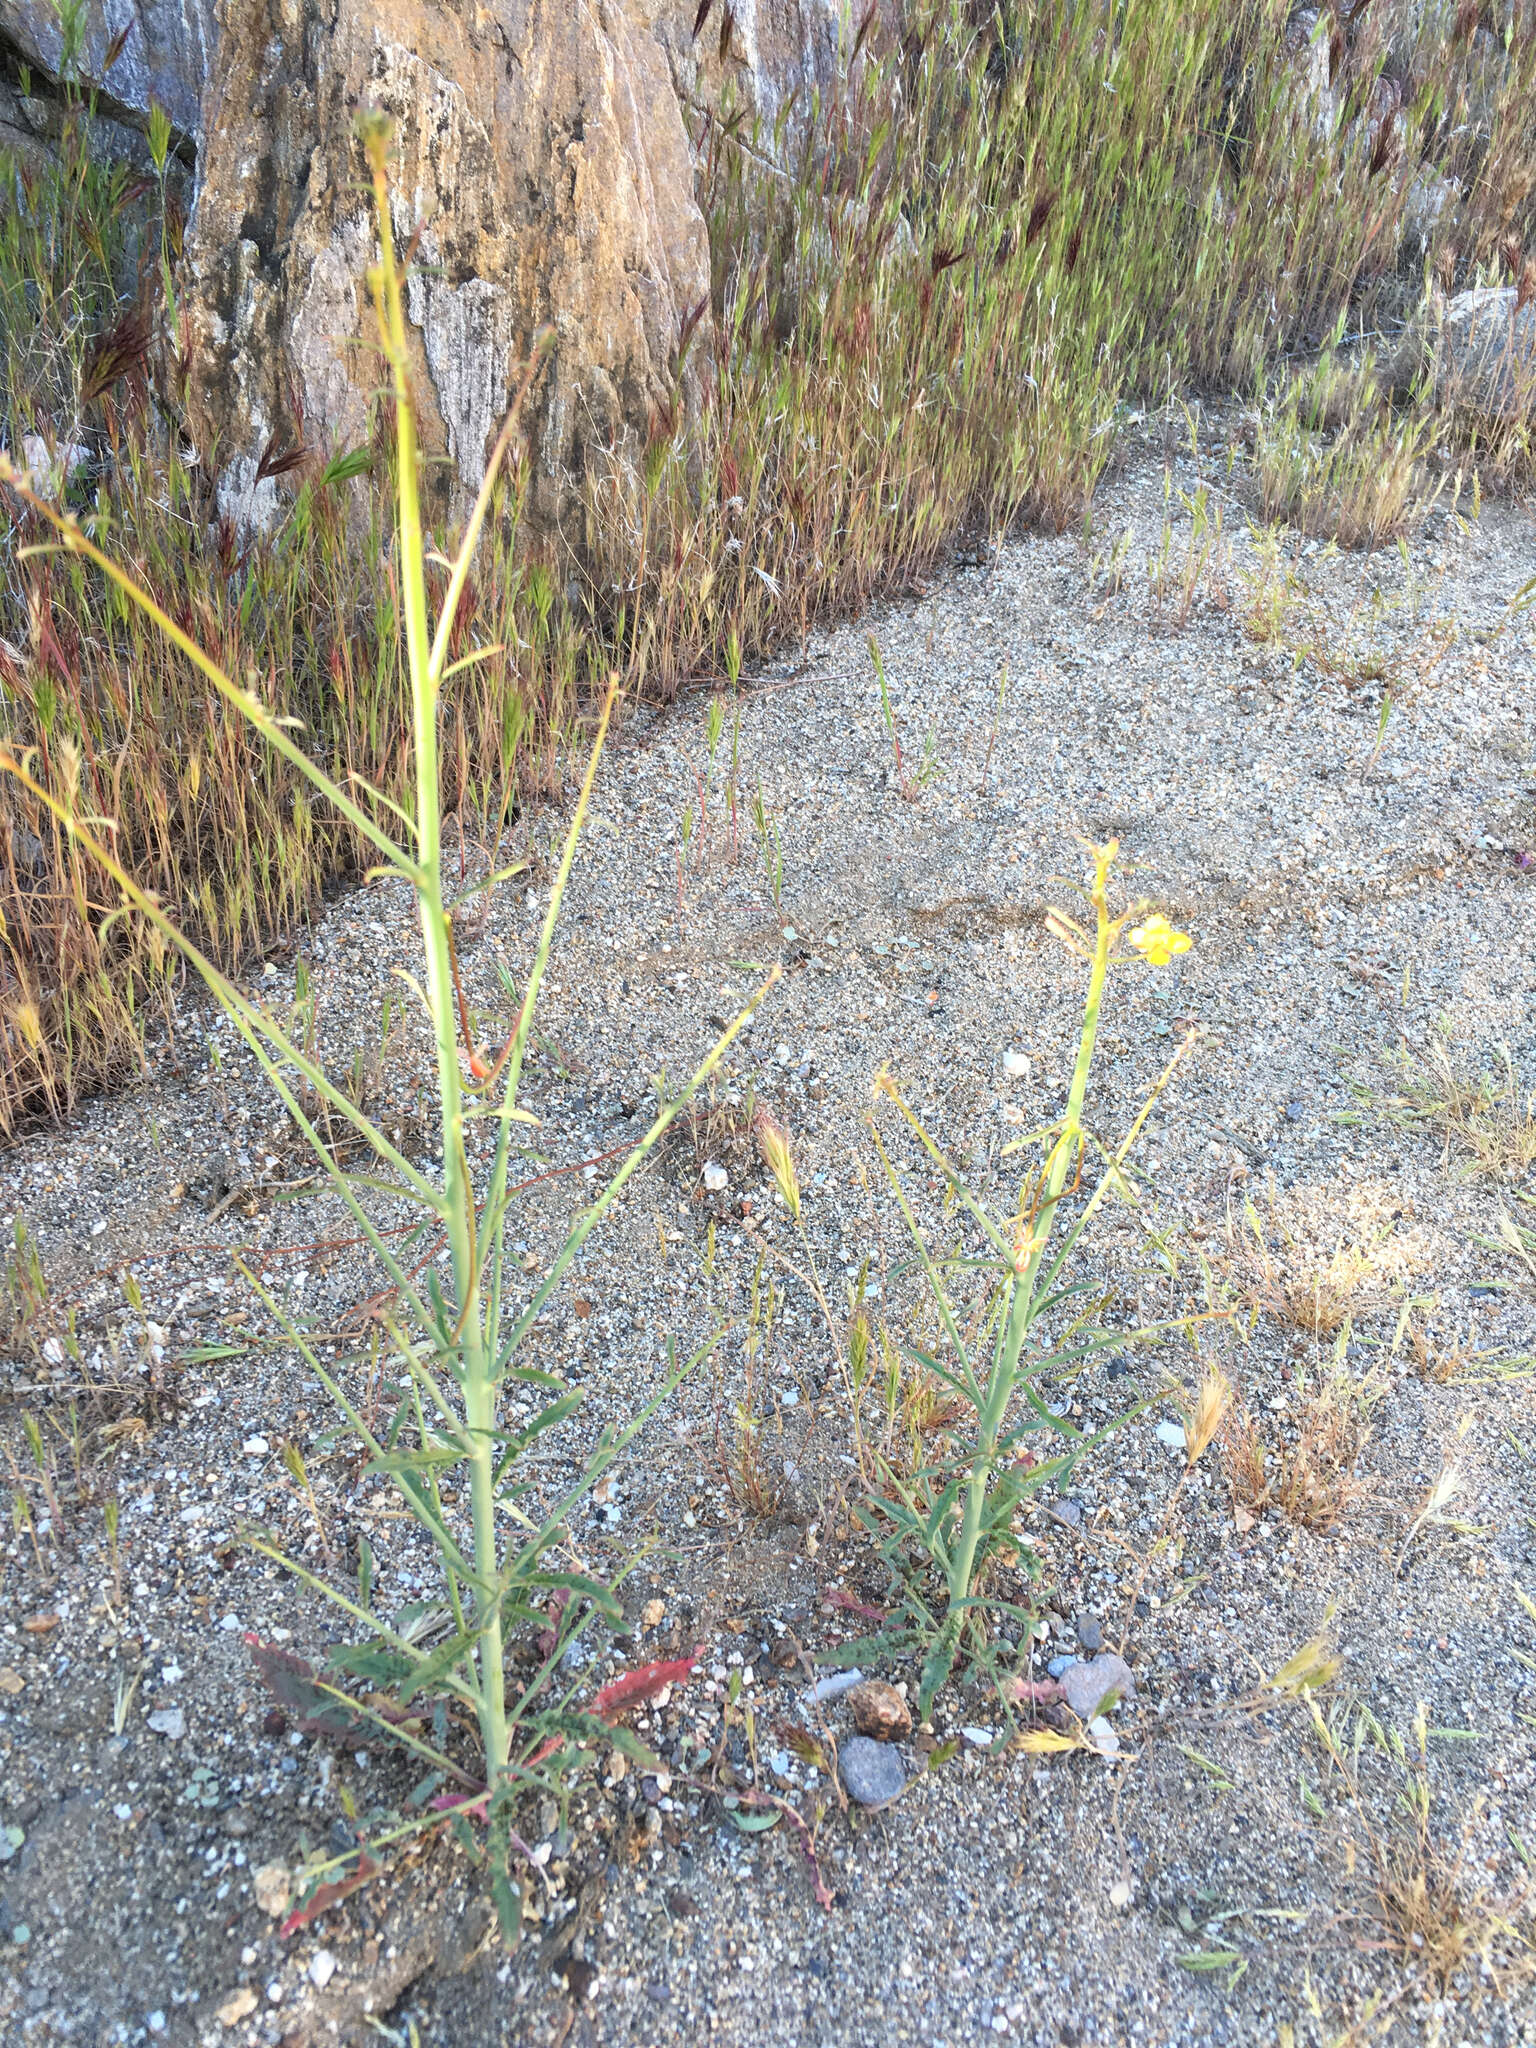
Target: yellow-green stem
{"type": "Point", "coordinates": [1022, 1288]}
{"type": "Point", "coordinates": [475, 1351]}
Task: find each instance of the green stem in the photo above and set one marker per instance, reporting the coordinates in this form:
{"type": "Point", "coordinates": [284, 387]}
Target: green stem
{"type": "Point", "coordinates": [459, 1203]}
{"type": "Point", "coordinates": [1020, 1308]}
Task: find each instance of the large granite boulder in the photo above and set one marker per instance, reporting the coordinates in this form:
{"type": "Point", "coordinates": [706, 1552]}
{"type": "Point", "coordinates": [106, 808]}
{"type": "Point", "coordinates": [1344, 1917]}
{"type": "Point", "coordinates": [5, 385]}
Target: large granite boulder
{"type": "Point", "coordinates": [543, 165]}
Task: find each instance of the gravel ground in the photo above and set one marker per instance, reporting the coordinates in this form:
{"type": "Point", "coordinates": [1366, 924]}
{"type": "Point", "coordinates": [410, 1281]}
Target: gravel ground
{"type": "Point", "coordinates": [1354, 886]}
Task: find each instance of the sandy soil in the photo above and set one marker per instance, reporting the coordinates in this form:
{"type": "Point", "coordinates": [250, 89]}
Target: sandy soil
{"type": "Point", "coordinates": [1358, 890]}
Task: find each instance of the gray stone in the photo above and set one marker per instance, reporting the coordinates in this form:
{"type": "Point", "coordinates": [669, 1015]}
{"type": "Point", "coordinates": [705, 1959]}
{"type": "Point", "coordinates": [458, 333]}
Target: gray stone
{"type": "Point", "coordinates": [872, 1772]}
{"type": "Point", "coordinates": [168, 1721]}
{"type": "Point", "coordinates": [1429, 204]}
{"type": "Point", "coordinates": [168, 55]}
{"type": "Point", "coordinates": [1089, 1633]}
{"type": "Point", "coordinates": [1476, 350]}
{"type": "Point", "coordinates": [1088, 1685]}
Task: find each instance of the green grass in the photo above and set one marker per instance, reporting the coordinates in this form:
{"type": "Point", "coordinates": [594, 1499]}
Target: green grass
{"type": "Point", "coordinates": [929, 321]}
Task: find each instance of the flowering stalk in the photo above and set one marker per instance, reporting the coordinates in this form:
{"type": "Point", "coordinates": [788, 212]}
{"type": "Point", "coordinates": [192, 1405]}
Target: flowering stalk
{"type": "Point", "coordinates": [975, 1509]}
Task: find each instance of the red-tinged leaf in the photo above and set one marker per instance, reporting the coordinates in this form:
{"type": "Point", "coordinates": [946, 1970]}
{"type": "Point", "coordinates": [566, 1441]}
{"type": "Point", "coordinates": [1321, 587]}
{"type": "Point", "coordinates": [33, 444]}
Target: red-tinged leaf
{"type": "Point", "coordinates": [839, 1596]}
{"type": "Point", "coordinates": [1037, 1692]}
{"type": "Point", "coordinates": [634, 1688]}
{"type": "Point", "coordinates": [472, 1805]}
{"type": "Point", "coordinates": [328, 1895]}
{"type": "Point", "coordinates": [314, 1709]}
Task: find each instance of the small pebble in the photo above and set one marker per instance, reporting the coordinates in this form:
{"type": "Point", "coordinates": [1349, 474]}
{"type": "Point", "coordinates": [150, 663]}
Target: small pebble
{"type": "Point", "coordinates": [1103, 1737]}
{"type": "Point", "coordinates": [273, 1888]}
{"type": "Point", "coordinates": [872, 1772]}
{"type": "Point", "coordinates": [834, 1687]}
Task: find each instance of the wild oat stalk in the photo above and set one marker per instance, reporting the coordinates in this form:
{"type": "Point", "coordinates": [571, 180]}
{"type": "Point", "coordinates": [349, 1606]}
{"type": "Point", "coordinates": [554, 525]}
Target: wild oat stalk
{"type": "Point", "coordinates": [458, 1346]}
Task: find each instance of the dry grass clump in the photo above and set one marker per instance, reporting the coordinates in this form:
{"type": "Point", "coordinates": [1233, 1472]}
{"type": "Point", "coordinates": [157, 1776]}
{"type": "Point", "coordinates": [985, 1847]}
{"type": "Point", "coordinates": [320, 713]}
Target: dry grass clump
{"type": "Point", "coordinates": [1333, 456]}
{"type": "Point", "coordinates": [1423, 1908]}
{"type": "Point", "coordinates": [715, 1136]}
{"type": "Point", "coordinates": [1315, 1265]}
{"type": "Point", "coordinates": [1434, 1922]}
{"type": "Point", "coordinates": [1317, 1292]}
{"type": "Point", "coordinates": [1486, 1117]}
{"type": "Point", "coordinates": [1455, 1359]}
{"type": "Point", "coordinates": [1314, 1480]}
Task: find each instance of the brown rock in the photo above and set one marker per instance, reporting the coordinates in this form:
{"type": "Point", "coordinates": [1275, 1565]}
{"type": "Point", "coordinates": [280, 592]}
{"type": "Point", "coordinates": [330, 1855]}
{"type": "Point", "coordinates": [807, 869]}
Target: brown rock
{"type": "Point", "coordinates": [879, 1710]}
{"type": "Point", "coordinates": [541, 157]}
{"type": "Point", "coordinates": [237, 2007]}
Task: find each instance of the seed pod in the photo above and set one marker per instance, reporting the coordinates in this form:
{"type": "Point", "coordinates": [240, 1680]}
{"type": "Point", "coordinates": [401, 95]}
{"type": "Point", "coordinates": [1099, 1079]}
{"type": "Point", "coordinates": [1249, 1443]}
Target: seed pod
{"type": "Point", "coordinates": [773, 1144]}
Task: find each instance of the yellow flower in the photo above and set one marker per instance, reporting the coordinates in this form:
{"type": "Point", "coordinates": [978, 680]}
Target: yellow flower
{"type": "Point", "coordinates": [1157, 941]}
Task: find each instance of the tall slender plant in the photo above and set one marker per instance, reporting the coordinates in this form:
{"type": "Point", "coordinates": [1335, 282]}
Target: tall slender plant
{"type": "Point", "coordinates": [458, 1346]}
{"type": "Point", "coordinates": [952, 1520]}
